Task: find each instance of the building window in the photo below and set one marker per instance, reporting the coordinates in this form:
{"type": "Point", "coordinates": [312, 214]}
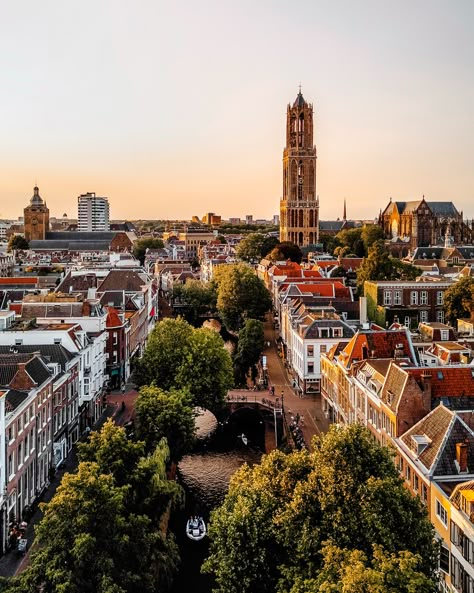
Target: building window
{"type": "Point", "coordinates": [323, 348]}
{"type": "Point", "coordinates": [387, 297]}
{"type": "Point", "coordinates": [441, 513]}
{"type": "Point", "coordinates": [413, 297]}
{"type": "Point", "coordinates": [424, 492]}
{"type": "Point", "coordinates": [310, 368]}
{"type": "Point", "coordinates": [444, 559]}
{"type": "Point", "coordinates": [407, 321]}
{"type": "Point", "coordinates": [423, 297]}
{"type": "Point", "coordinates": [397, 297]}
{"type": "Point", "coordinates": [408, 473]}
{"type": "Point", "coordinates": [310, 350]}
{"type": "Point", "coordinates": [416, 483]}
{"type": "Point", "coordinates": [439, 297]}
{"type": "Point", "coordinates": [423, 316]}
{"type": "Point", "coordinates": [440, 316]}
{"type": "Point", "coordinates": [337, 332]}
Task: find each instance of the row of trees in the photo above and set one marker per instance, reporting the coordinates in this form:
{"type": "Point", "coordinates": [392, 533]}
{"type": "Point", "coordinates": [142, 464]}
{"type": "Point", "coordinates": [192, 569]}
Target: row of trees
{"type": "Point", "coordinates": [336, 520]}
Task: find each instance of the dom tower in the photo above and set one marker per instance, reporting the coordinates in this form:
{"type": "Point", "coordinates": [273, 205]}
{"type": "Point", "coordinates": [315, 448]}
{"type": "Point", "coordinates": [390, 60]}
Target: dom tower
{"type": "Point", "coordinates": [299, 208]}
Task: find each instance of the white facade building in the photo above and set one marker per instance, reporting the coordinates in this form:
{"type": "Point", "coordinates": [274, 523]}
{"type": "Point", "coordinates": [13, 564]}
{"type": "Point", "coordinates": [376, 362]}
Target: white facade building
{"type": "Point", "coordinates": [92, 213]}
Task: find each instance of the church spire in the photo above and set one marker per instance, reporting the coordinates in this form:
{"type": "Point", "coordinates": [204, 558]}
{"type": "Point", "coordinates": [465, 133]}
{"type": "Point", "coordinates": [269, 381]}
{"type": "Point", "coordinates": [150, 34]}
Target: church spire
{"type": "Point", "coordinates": [344, 217]}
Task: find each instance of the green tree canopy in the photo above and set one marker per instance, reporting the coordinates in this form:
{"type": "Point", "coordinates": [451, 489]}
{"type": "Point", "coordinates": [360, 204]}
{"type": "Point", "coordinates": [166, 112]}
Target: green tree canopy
{"type": "Point", "coordinates": [141, 245]}
{"type": "Point", "coordinates": [286, 250]}
{"type": "Point", "coordinates": [90, 543]}
{"type": "Point", "coordinates": [270, 532]}
{"type": "Point", "coordinates": [351, 239]}
{"type": "Point", "coordinates": [240, 295]}
{"type": "Point", "coordinates": [459, 300]}
{"type": "Point", "coordinates": [268, 245]}
{"type": "Point", "coordinates": [350, 571]}
{"type": "Point", "coordinates": [178, 356]}
{"type": "Point", "coordinates": [196, 298]}
{"type": "Point", "coordinates": [17, 242]}
{"type": "Point", "coordinates": [168, 414]}
{"type": "Point", "coordinates": [378, 265]}
{"type": "Point", "coordinates": [250, 248]}
{"type": "Point", "coordinates": [249, 348]}
{"type": "Point", "coordinates": [371, 233]}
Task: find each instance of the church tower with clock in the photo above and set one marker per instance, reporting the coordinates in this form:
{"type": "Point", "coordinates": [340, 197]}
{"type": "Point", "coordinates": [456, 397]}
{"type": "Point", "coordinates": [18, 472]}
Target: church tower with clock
{"type": "Point", "coordinates": [36, 218]}
{"type": "Point", "coordinates": [299, 207]}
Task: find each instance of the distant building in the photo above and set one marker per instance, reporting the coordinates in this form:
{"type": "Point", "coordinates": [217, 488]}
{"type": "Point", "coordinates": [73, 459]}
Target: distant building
{"type": "Point", "coordinates": [36, 216]}
{"type": "Point", "coordinates": [420, 223]}
{"type": "Point", "coordinates": [211, 219]}
{"type": "Point", "coordinates": [276, 219]}
{"type": "Point", "coordinates": [93, 213]}
{"type": "Point", "coordinates": [248, 219]}
{"type": "Point", "coordinates": [299, 206]}
{"type": "Point", "coordinates": [235, 221]}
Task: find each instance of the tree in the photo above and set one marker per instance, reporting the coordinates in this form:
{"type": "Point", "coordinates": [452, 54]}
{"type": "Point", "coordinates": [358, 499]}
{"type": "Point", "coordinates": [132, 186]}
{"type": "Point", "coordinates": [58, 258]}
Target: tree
{"type": "Point", "coordinates": [196, 298]}
{"type": "Point", "coordinates": [352, 240]}
{"type": "Point", "coordinates": [269, 243]}
{"type": "Point", "coordinates": [141, 245]}
{"type": "Point", "coordinates": [178, 356]}
{"type": "Point", "coordinates": [371, 233]}
{"type": "Point", "coordinates": [168, 414]}
{"type": "Point", "coordinates": [221, 239]}
{"type": "Point", "coordinates": [89, 542]}
{"type": "Point", "coordinates": [17, 242]}
{"type": "Point", "coordinates": [164, 354]}
{"type": "Point", "coordinates": [240, 295]}
{"type": "Point", "coordinates": [270, 532]}
{"type": "Point", "coordinates": [378, 265]}
{"type": "Point", "coordinates": [286, 250]}
{"type": "Point", "coordinates": [250, 346]}
{"type": "Point", "coordinates": [349, 571]}
{"type": "Point", "coordinates": [459, 300]}
{"type": "Point", "coordinates": [250, 248]}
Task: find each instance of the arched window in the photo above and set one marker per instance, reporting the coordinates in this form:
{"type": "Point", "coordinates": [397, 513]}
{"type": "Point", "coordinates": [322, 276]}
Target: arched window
{"type": "Point", "coordinates": [311, 218]}
{"type": "Point", "coordinates": [300, 220]}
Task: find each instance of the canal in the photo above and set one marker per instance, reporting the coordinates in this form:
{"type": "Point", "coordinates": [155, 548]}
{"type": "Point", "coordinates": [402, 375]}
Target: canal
{"type": "Point", "coordinates": [205, 476]}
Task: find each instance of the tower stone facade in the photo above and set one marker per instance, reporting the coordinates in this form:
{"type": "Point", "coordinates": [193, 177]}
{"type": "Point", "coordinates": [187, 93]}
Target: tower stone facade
{"type": "Point", "coordinates": [36, 218]}
{"type": "Point", "coordinates": [299, 207]}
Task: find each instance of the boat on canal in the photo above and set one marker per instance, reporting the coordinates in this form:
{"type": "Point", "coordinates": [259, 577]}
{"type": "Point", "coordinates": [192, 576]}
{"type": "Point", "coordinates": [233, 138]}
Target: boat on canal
{"type": "Point", "coordinates": [196, 528]}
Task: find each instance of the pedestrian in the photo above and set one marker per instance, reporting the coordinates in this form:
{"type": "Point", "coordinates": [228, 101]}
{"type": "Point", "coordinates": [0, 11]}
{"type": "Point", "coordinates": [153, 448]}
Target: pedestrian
{"type": "Point", "coordinates": [123, 388]}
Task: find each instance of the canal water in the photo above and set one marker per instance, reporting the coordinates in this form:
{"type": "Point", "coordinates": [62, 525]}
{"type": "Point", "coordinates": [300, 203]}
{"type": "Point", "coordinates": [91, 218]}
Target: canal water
{"type": "Point", "coordinates": [205, 476]}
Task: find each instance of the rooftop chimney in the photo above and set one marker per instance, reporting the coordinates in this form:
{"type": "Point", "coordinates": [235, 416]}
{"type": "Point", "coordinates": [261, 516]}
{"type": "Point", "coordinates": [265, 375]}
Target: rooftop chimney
{"type": "Point", "coordinates": [363, 310]}
{"type": "Point", "coordinates": [461, 456]}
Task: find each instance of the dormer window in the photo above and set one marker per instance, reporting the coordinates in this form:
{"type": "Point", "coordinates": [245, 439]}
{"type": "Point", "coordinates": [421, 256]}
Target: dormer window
{"type": "Point", "coordinates": [419, 443]}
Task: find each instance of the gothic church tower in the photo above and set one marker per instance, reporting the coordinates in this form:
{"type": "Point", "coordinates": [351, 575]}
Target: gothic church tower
{"type": "Point", "coordinates": [299, 207]}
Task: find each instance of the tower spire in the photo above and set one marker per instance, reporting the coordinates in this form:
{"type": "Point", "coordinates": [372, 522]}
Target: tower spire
{"type": "Point", "coordinates": [344, 214]}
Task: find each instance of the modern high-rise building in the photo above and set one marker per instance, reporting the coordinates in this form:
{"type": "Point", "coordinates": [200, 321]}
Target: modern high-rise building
{"type": "Point", "coordinates": [92, 213]}
{"type": "Point", "coordinates": [299, 207]}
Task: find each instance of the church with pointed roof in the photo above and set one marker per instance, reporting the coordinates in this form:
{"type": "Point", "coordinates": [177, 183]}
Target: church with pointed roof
{"type": "Point", "coordinates": [36, 218]}
{"type": "Point", "coordinates": [420, 223]}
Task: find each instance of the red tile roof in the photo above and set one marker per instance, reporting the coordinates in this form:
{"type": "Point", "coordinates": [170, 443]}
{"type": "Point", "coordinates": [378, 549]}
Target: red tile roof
{"type": "Point", "coordinates": [375, 344]}
{"type": "Point", "coordinates": [20, 280]}
{"type": "Point", "coordinates": [113, 318]}
{"type": "Point", "coordinates": [448, 381]}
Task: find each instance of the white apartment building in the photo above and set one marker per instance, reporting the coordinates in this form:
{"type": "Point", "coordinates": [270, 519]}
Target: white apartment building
{"type": "Point", "coordinates": [92, 213]}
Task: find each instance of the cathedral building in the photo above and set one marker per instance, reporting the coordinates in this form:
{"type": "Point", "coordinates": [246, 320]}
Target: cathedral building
{"type": "Point", "coordinates": [36, 218]}
{"type": "Point", "coordinates": [299, 207]}
{"type": "Point", "coordinates": [408, 225]}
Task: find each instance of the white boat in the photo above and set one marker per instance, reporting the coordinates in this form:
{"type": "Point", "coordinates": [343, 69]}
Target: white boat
{"type": "Point", "coordinates": [244, 439]}
{"type": "Point", "coordinates": [196, 528]}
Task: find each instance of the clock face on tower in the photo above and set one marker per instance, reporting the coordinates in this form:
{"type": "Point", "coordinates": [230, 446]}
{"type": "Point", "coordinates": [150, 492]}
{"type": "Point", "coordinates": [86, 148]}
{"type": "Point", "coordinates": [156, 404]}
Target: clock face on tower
{"type": "Point", "coordinates": [34, 221]}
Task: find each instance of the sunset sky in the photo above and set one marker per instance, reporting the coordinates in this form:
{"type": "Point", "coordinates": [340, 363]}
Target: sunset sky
{"type": "Point", "coordinates": [174, 109]}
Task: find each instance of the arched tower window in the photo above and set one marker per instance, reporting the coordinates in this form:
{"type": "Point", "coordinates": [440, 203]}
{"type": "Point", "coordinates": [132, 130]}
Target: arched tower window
{"type": "Point", "coordinates": [301, 131]}
{"type": "Point", "coordinates": [311, 218]}
{"type": "Point", "coordinates": [293, 180]}
{"type": "Point", "coordinates": [300, 180]}
{"type": "Point", "coordinates": [300, 218]}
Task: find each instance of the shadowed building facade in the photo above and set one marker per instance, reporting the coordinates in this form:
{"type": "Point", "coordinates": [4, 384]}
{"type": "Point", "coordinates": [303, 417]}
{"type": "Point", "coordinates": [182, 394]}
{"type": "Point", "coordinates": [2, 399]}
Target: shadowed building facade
{"type": "Point", "coordinates": [299, 207]}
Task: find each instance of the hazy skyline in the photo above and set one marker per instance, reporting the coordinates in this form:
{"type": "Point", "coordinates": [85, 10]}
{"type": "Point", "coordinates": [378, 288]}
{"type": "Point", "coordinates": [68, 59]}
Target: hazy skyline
{"type": "Point", "coordinates": [177, 109]}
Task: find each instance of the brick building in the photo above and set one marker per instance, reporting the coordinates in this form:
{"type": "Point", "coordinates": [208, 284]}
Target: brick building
{"type": "Point", "coordinates": [408, 303]}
